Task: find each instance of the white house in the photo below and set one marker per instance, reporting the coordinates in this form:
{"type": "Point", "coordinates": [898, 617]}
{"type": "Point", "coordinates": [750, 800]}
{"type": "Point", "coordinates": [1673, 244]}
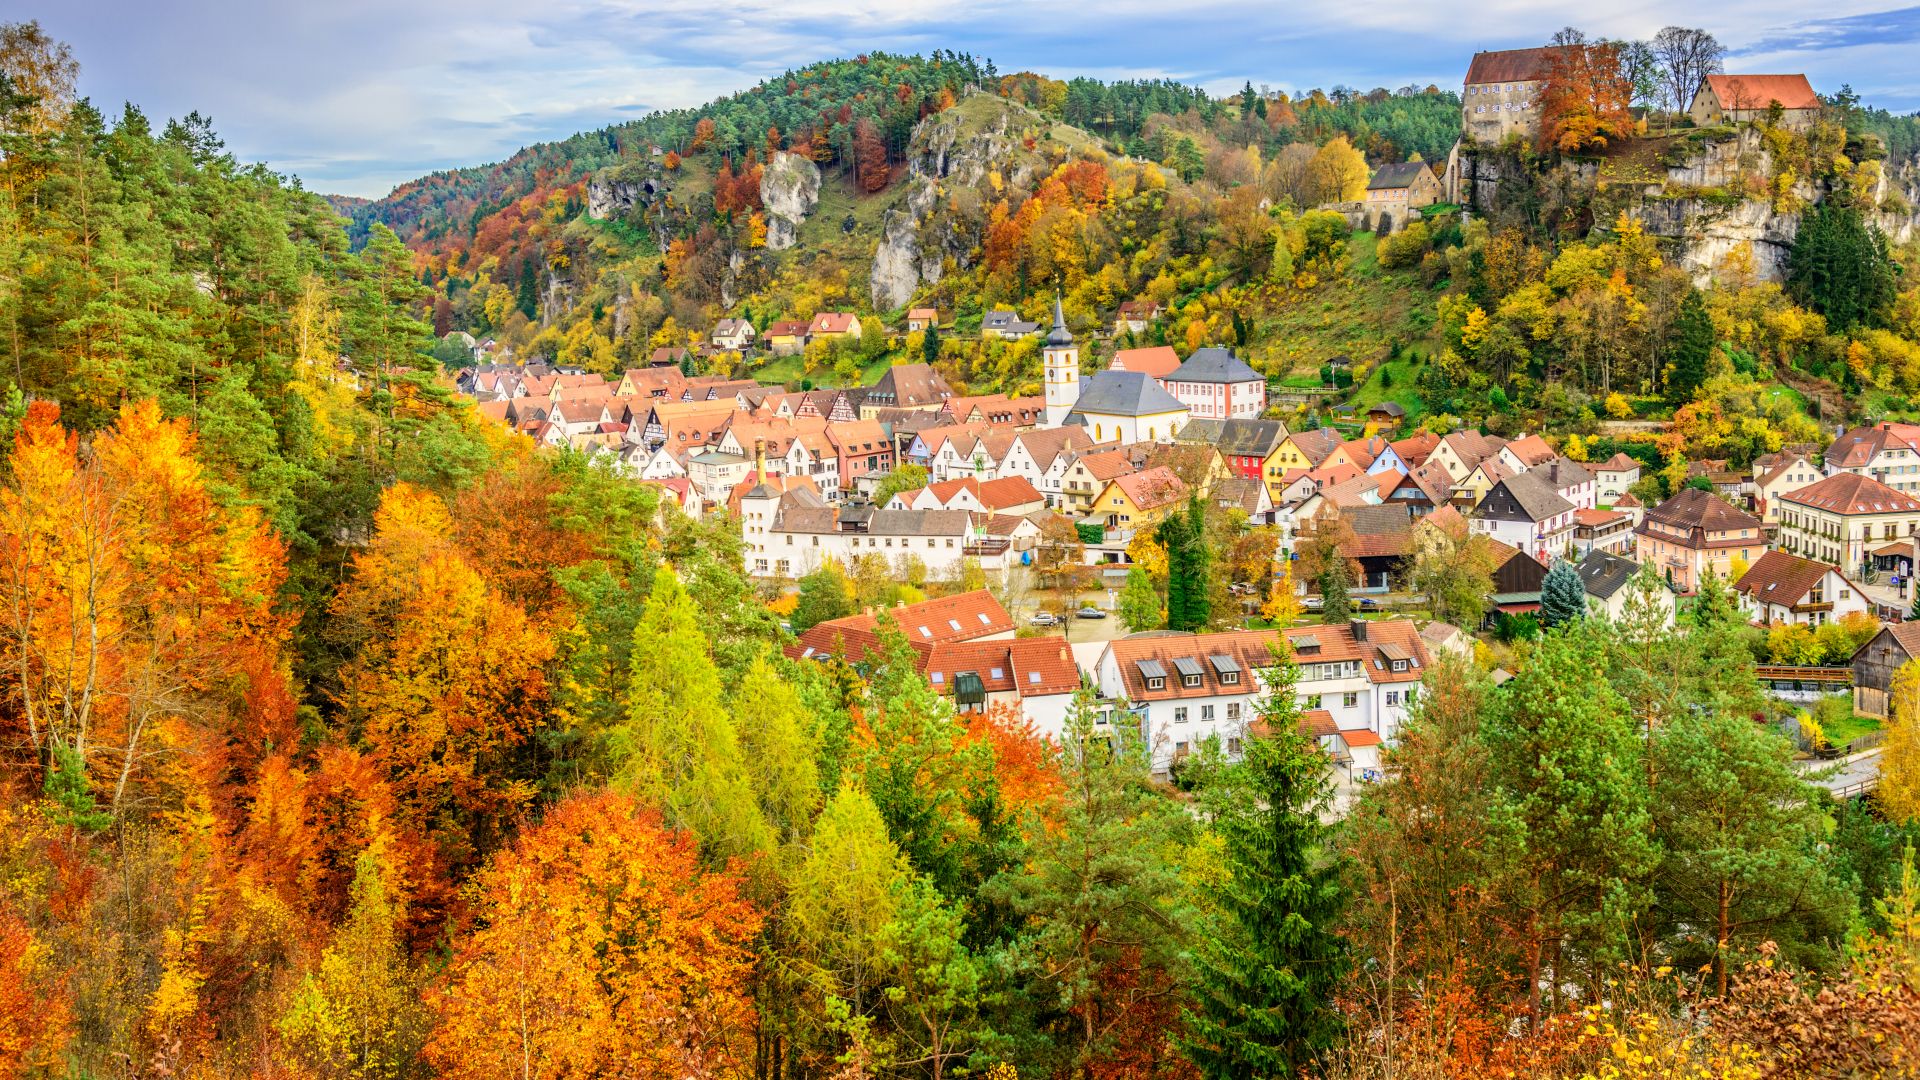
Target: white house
{"type": "Point", "coordinates": [1783, 588]}
{"type": "Point", "coordinates": [1608, 580]}
{"type": "Point", "coordinates": [1214, 384]}
{"type": "Point", "coordinates": [1613, 477]}
{"type": "Point", "coordinates": [1184, 688]}
{"type": "Point", "coordinates": [1525, 512]}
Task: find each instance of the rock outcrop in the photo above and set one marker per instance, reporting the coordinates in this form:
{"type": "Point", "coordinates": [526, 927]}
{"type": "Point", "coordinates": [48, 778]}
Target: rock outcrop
{"type": "Point", "coordinates": [789, 190]}
{"type": "Point", "coordinates": [950, 161]}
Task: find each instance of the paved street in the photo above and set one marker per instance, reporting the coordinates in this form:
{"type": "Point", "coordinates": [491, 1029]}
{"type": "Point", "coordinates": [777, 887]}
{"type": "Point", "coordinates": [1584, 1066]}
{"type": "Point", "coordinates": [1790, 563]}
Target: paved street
{"type": "Point", "coordinates": [1851, 775]}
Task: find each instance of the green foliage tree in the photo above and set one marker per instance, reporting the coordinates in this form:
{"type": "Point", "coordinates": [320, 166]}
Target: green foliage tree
{"type": "Point", "coordinates": [904, 477]}
{"type": "Point", "coordinates": [1335, 605]}
{"type": "Point", "coordinates": [1840, 266]}
{"type": "Point", "coordinates": [69, 794]}
{"type": "Point", "coordinates": [1563, 598]}
{"type": "Point", "coordinates": [937, 985]}
{"type": "Point", "coordinates": [777, 741]}
{"type": "Point", "coordinates": [678, 746]}
{"type": "Point", "coordinates": [1269, 960]}
{"type": "Point", "coordinates": [845, 896]}
{"type": "Point", "coordinates": [1184, 535]}
{"type": "Point", "coordinates": [1140, 605]}
{"type": "Point", "coordinates": [824, 595]}
{"type": "Point", "coordinates": [1098, 900]}
{"type": "Point", "coordinates": [1689, 348]}
{"type": "Point", "coordinates": [1570, 836]}
{"type": "Point", "coordinates": [1743, 837]}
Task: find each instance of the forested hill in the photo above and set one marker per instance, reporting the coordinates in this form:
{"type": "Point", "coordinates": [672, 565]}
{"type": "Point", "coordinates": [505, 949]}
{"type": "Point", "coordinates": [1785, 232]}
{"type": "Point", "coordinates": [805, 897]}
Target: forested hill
{"type": "Point", "coordinates": [823, 107]}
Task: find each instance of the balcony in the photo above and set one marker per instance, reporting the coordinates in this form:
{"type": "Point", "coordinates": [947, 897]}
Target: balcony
{"type": "Point", "coordinates": [987, 547]}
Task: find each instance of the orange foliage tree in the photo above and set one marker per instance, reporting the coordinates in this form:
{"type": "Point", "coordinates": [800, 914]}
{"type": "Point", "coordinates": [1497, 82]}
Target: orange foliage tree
{"type": "Point", "coordinates": [602, 949]}
{"type": "Point", "coordinates": [1584, 100]}
{"type": "Point", "coordinates": [702, 135]}
{"type": "Point", "coordinates": [35, 1016]}
{"type": "Point", "coordinates": [136, 608]}
{"type": "Point", "coordinates": [445, 684]}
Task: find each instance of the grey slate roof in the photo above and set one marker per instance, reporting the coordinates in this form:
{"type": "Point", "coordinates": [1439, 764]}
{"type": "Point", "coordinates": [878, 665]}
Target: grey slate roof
{"type": "Point", "coordinates": [1604, 574]}
{"type": "Point", "coordinates": [1007, 322]}
{"type": "Point", "coordinates": [1214, 365]}
{"type": "Point", "coordinates": [1059, 335]}
{"type": "Point", "coordinates": [1397, 175]}
{"type": "Point", "coordinates": [1124, 393]}
{"type": "Point", "coordinates": [1534, 496]}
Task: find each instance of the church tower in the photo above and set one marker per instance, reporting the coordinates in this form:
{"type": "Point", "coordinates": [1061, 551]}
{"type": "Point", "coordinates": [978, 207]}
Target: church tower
{"type": "Point", "coordinates": [1061, 360]}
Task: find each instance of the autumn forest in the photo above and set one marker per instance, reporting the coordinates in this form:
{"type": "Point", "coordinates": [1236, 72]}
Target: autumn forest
{"type": "Point", "coordinates": [347, 734]}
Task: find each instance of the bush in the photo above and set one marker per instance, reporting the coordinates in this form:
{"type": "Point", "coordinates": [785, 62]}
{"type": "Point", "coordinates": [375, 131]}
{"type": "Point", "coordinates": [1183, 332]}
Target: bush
{"type": "Point", "coordinates": [1407, 247]}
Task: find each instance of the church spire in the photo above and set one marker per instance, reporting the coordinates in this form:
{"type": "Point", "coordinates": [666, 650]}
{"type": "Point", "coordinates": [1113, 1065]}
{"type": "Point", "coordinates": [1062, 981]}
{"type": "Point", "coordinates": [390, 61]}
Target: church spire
{"type": "Point", "coordinates": [1060, 335]}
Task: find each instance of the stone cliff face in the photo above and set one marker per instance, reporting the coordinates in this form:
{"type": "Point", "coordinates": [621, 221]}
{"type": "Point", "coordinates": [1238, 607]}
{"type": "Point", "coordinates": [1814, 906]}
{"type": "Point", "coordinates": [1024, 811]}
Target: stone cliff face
{"type": "Point", "coordinates": [789, 190]}
{"type": "Point", "coordinates": [1689, 206]}
{"type": "Point", "coordinates": [942, 217]}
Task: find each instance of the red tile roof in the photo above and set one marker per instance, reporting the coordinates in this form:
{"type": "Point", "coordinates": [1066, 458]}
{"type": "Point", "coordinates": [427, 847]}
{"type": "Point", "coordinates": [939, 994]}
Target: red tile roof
{"type": "Point", "coordinates": [1851, 493]}
{"type": "Point", "coordinates": [1509, 65]}
{"type": "Point", "coordinates": [1779, 578]}
{"type": "Point", "coordinates": [1760, 91]}
{"type": "Point", "coordinates": [1030, 667]}
{"type": "Point", "coordinates": [1596, 518]}
{"type": "Point", "coordinates": [1159, 361]}
{"type": "Point", "coordinates": [961, 617]}
{"type": "Point", "coordinates": [832, 322]}
{"type": "Point", "coordinates": [1249, 650]}
{"type": "Point", "coordinates": [1150, 489]}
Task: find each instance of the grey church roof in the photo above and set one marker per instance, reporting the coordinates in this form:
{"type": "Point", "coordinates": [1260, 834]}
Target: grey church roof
{"type": "Point", "coordinates": [1124, 393]}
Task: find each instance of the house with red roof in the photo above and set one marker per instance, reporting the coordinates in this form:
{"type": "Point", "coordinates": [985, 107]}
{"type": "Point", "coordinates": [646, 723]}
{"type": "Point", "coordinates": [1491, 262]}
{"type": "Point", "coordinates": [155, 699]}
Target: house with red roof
{"type": "Point", "coordinates": [1740, 99]}
{"type": "Point", "coordinates": [1783, 588]}
{"type": "Point", "coordinates": [829, 325]}
{"type": "Point", "coordinates": [1185, 688]}
{"type": "Point", "coordinates": [1841, 519]}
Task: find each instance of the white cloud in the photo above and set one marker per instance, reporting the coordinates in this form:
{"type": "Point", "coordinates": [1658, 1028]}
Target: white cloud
{"type": "Point", "coordinates": [358, 95]}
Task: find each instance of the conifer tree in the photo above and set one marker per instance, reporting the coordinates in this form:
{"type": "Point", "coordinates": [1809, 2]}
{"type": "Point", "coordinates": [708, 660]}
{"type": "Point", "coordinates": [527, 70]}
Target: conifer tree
{"type": "Point", "coordinates": [1691, 348]}
{"type": "Point", "coordinates": [678, 748]}
{"type": "Point", "coordinates": [1269, 961]}
{"type": "Point", "coordinates": [1140, 604]}
{"type": "Point", "coordinates": [1335, 607]}
{"type": "Point", "coordinates": [1562, 597]}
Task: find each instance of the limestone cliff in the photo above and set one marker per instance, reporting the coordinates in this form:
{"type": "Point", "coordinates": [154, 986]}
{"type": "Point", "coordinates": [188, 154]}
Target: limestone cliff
{"type": "Point", "coordinates": [958, 161]}
{"type": "Point", "coordinates": [1692, 196]}
{"type": "Point", "coordinates": [789, 190]}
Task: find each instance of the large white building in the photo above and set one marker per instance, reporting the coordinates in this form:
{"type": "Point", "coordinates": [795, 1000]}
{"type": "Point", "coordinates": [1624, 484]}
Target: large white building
{"type": "Point", "coordinates": [1185, 688]}
{"type": "Point", "coordinates": [1113, 406]}
{"type": "Point", "coordinates": [1214, 384]}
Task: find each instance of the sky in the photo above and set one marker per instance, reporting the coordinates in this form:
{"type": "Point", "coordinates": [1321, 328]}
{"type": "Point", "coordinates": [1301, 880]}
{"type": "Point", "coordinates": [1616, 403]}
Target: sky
{"type": "Point", "coordinates": [356, 96]}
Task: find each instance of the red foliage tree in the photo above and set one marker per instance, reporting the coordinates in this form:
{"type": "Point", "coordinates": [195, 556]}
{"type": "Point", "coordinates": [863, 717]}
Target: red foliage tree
{"type": "Point", "coordinates": [1584, 100]}
{"type": "Point", "coordinates": [870, 156]}
{"type": "Point", "coordinates": [702, 135]}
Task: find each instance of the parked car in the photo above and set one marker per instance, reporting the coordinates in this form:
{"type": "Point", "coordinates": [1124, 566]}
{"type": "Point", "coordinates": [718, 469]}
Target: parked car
{"type": "Point", "coordinates": [1369, 604]}
{"type": "Point", "coordinates": [1043, 618]}
{"type": "Point", "coordinates": [1090, 612]}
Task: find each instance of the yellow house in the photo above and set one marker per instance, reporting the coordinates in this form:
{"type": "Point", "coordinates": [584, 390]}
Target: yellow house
{"type": "Point", "coordinates": [785, 337]}
{"type": "Point", "coordinates": [1140, 500]}
{"type": "Point", "coordinates": [1480, 480]}
{"type": "Point", "coordinates": [1460, 451]}
{"type": "Point", "coordinates": [1304, 450]}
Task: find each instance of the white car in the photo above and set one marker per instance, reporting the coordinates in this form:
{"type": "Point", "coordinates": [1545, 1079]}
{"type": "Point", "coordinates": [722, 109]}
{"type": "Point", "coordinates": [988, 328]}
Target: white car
{"type": "Point", "coordinates": [1042, 618]}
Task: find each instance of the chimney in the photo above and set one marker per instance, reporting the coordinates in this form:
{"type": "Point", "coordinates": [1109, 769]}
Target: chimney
{"type": "Point", "coordinates": [760, 460]}
{"type": "Point", "coordinates": [1359, 628]}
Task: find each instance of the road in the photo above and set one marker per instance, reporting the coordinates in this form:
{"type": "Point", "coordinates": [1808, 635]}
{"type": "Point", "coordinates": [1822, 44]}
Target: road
{"type": "Point", "coordinates": [1852, 775]}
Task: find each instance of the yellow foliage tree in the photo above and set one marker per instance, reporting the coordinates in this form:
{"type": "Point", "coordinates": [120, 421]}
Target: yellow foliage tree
{"type": "Point", "coordinates": [1899, 790]}
{"type": "Point", "coordinates": [1282, 607]}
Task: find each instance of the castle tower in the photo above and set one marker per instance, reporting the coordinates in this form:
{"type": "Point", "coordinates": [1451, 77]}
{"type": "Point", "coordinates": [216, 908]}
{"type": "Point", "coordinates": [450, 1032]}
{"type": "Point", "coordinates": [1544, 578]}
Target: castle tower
{"type": "Point", "coordinates": [1061, 361]}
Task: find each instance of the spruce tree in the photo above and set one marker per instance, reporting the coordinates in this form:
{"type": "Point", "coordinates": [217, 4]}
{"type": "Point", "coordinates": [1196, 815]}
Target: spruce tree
{"type": "Point", "coordinates": [1692, 345]}
{"type": "Point", "coordinates": [1840, 266]}
{"type": "Point", "coordinates": [930, 344]}
{"type": "Point", "coordinates": [1562, 598]}
{"type": "Point", "coordinates": [1335, 607]}
{"type": "Point", "coordinates": [1184, 535]}
{"type": "Point", "coordinates": [1269, 960]}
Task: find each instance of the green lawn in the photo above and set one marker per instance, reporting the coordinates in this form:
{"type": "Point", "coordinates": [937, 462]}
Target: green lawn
{"type": "Point", "coordinates": [1404, 373]}
{"type": "Point", "coordinates": [1842, 732]}
{"type": "Point", "coordinates": [788, 370]}
{"type": "Point", "coordinates": [1362, 315]}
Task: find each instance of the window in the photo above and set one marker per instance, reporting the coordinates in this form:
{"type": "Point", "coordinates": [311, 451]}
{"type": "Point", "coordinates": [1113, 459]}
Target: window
{"type": "Point", "coordinates": [1230, 678]}
{"type": "Point", "coordinates": [1411, 690]}
{"type": "Point", "coordinates": [1349, 700]}
{"type": "Point", "coordinates": [1393, 698]}
{"type": "Point", "coordinates": [1309, 701]}
{"type": "Point", "coordinates": [1399, 665]}
{"type": "Point", "coordinates": [1189, 680]}
{"type": "Point", "coordinates": [1206, 712]}
{"type": "Point", "coordinates": [1233, 746]}
{"type": "Point", "coordinates": [1233, 710]}
{"type": "Point", "coordinates": [1180, 715]}
{"type": "Point", "coordinates": [1158, 684]}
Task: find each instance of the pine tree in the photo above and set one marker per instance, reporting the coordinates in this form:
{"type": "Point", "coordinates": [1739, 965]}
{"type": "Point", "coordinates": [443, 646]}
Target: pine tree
{"type": "Point", "coordinates": [930, 343]}
{"type": "Point", "coordinates": [1840, 266]}
{"type": "Point", "coordinates": [1184, 535]}
{"type": "Point", "coordinates": [527, 298]}
{"type": "Point", "coordinates": [1269, 961]}
{"type": "Point", "coordinates": [1692, 346]}
{"type": "Point", "coordinates": [1562, 597]}
{"type": "Point", "coordinates": [1335, 606]}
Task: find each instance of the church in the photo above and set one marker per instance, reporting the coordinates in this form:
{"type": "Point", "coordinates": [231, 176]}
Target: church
{"type": "Point", "coordinates": [1113, 406]}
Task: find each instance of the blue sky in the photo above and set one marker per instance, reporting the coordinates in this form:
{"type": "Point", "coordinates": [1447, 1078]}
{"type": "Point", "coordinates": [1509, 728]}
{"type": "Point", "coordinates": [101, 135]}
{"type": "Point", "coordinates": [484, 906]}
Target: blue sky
{"type": "Point", "coordinates": [355, 96]}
